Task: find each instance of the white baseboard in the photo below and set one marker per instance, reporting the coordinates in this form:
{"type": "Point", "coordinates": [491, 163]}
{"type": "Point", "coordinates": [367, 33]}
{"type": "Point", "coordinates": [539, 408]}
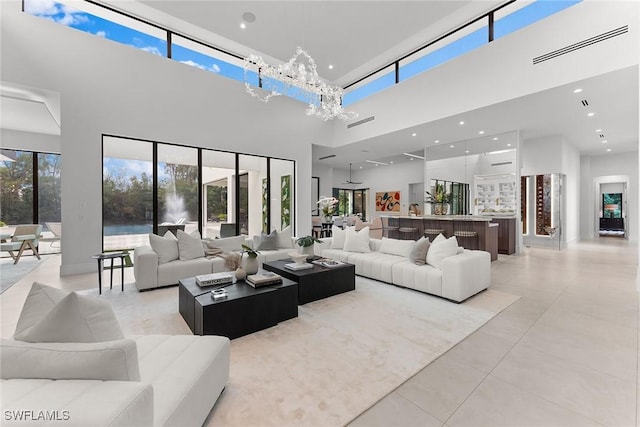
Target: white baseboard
{"type": "Point", "coordinates": [84, 268]}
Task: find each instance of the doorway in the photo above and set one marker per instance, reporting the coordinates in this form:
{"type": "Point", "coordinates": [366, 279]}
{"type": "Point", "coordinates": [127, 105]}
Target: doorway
{"type": "Point", "coordinates": [611, 207]}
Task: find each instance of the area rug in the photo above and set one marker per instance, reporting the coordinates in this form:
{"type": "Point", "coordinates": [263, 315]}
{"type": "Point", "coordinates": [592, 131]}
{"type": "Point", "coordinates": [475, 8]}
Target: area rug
{"type": "Point", "coordinates": [11, 273]}
{"type": "Point", "coordinates": [331, 363]}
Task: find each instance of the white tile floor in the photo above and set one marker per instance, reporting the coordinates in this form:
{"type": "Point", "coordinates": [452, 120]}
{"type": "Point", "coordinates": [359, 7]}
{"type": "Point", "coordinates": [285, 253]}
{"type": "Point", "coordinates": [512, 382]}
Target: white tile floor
{"type": "Point", "coordinates": [566, 354]}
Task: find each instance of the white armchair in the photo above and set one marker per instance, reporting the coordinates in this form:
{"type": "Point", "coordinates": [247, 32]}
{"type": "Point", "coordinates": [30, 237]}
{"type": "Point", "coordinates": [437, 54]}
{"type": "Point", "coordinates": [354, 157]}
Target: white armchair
{"type": "Point", "coordinates": [24, 237]}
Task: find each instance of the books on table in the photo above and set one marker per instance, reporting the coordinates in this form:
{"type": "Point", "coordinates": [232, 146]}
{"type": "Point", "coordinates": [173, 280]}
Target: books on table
{"type": "Point", "coordinates": [263, 279]}
{"type": "Point", "coordinates": [298, 266]}
{"type": "Point", "coordinates": [212, 279]}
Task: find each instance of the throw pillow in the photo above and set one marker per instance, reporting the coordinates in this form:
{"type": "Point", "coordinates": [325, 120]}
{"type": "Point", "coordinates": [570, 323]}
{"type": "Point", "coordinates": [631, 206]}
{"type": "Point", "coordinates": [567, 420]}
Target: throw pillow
{"type": "Point", "coordinates": [75, 318]}
{"type": "Point", "coordinates": [106, 361]}
{"type": "Point", "coordinates": [357, 241]}
{"type": "Point", "coordinates": [190, 245]}
{"type": "Point", "coordinates": [338, 236]}
{"type": "Point", "coordinates": [419, 251]}
{"type": "Point", "coordinates": [284, 238]}
{"type": "Point", "coordinates": [165, 246]}
{"type": "Point", "coordinates": [396, 247]}
{"type": "Point", "coordinates": [230, 244]}
{"type": "Point", "coordinates": [267, 242]}
{"type": "Point", "coordinates": [39, 302]}
{"type": "Point", "coordinates": [439, 250]}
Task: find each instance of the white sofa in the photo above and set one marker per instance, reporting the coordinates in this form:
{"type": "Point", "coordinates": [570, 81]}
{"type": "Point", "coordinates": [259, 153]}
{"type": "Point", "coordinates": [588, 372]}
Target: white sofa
{"type": "Point", "coordinates": [459, 277]}
{"type": "Point", "coordinates": [69, 364]}
{"type": "Point", "coordinates": [151, 272]}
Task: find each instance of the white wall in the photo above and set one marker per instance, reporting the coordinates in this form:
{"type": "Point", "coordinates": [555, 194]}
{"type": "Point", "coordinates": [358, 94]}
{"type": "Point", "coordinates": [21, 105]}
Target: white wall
{"type": "Point", "coordinates": [106, 87]}
{"type": "Point", "coordinates": [503, 70]}
{"type": "Point", "coordinates": [607, 169]}
{"type": "Point", "coordinates": [30, 141]}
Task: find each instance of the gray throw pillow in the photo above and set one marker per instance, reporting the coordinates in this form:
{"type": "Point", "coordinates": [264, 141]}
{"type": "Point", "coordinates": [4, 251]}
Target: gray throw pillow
{"type": "Point", "coordinates": [268, 242]}
{"type": "Point", "coordinates": [419, 251]}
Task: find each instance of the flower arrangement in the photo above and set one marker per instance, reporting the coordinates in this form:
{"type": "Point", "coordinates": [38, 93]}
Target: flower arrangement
{"type": "Point", "coordinates": [327, 205]}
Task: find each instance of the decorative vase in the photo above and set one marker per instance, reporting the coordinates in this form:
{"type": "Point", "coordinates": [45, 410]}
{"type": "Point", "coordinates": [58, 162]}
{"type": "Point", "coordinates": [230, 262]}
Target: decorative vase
{"type": "Point", "coordinates": [328, 218]}
{"type": "Point", "coordinates": [250, 265]}
{"type": "Point", "coordinates": [240, 273]}
{"type": "Point", "coordinates": [307, 250]}
{"type": "Point", "coordinates": [440, 208]}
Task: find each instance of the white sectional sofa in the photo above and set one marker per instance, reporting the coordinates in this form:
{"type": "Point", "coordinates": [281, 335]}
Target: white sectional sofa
{"type": "Point", "coordinates": [69, 364]}
{"type": "Point", "coordinates": [456, 278]}
{"type": "Point", "coordinates": [165, 264]}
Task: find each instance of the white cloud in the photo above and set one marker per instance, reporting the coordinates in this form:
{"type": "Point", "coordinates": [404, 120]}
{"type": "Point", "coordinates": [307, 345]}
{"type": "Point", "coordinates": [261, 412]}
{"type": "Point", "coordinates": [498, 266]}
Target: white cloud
{"type": "Point", "coordinates": [215, 68]}
{"type": "Point", "coordinates": [152, 49]}
{"type": "Point", "coordinates": [194, 64]}
{"type": "Point", "coordinates": [41, 7]}
{"type": "Point", "coordinates": [51, 10]}
{"type": "Point", "coordinates": [102, 34]}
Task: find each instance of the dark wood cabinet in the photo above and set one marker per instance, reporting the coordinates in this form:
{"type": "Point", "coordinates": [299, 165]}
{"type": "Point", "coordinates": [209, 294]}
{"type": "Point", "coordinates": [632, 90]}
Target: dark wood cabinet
{"type": "Point", "coordinates": [615, 224]}
{"type": "Point", "coordinates": [506, 235]}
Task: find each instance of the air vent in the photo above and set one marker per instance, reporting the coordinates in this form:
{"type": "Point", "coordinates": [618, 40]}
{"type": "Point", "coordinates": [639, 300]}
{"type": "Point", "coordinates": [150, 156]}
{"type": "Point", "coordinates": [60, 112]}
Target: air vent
{"type": "Point", "coordinates": [501, 163]}
{"type": "Point", "coordinates": [602, 135]}
{"type": "Point", "coordinates": [361, 122]}
{"type": "Point", "coordinates": [580, 45]}
{"type": "Point", "coordinates": [584, 102]}
{"type": "Point", "coordinates": [326, 157]}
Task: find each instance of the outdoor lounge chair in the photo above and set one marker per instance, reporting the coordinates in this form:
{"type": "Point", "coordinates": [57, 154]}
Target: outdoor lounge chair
{"type": "Point", "coordinates": [24, 237]}
{"type": "Point", "coordinates": [56, 229]}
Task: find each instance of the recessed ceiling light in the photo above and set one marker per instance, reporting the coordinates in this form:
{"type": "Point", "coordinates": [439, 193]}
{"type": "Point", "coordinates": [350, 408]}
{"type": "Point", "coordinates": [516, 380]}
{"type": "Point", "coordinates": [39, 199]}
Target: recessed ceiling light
{"type": "Point", "coordinates": [495, 138]}
{"type": "Point", "coordinates": [598, 130]}
{"type": "Point", "coordinates": [481, 132]}
{"type": "Point", "coordinates": [591, 114]}
{"type": "Point", "coordinates": [451, 146]}
{"type": "Point", "coordinates": [410, 158]}
{"type": "Point", "coordinates": [360, 167]}
{"type": "Point", "coordinates": [508, 145]}
{"type": "Point", "coordinates": [376, 165]}
{"type": "Point", "coordinates": [436, 141]}
{"type": "Point", "coordinates": [577, 90]}
{"type": "Point", "coordinates": [330, 66]}
{"type": "Point", "coordinates": [608, 149]}
{"type": "Point", "coordinates": [414, 134]}
{"type": "Point", "coordinates": [413, 155]}
{"type": "Point", "coordinates": [461, 122]}
{"type": "Point", "coordinates": [467, 151]}
{"type": "Point", "coordinates": [604, 141]}
{"type": "Point", "coordinates": [391, 162]}
{"type": "Point", "coordinates": [243, 25]}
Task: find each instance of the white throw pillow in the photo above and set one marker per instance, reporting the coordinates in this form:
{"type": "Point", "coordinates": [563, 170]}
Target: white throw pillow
{"type": "Point", "coordinates": [266, 242]}
{"type": "Point", "coordinates": [230, 244]}
{"type": "Point", "coordinates": [190, 245]}
{"type": "Point", "coordinates": [107, 361]}
{"type": "Point", "coordinates": [419, 252]}
{"type": "Point", "coordinates": [396, 247]}
{"type": "Point", "coordinates": [75, 318]}
{"type": "Point", "coordinates": [357, 241]}
{"type": "Point", "coordinates": [284, 238]}
{"type": "Point", "coordinates": [441, 249]}
{"type": "Point", "coordinates": [338, 236]}
{"type": "Point", "coordinates": [39, 302]}
{"type": "Point", "coordinates": [439, 238]}
{"type": "Point", "coordinates": [165, 246]}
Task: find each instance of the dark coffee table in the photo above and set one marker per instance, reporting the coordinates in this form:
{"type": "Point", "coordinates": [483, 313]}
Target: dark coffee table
{"type": "Point", "coordinates": [318, 282]}
{"type": "Point", "coordinates": [244, 311]}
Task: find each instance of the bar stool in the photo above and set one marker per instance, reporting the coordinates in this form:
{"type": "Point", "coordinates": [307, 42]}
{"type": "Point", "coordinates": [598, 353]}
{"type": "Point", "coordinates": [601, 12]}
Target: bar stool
{"type": "Point", "coordinates": [408, 233]}
{"type": "Point", "coordinates": [432, 233]}
{"type": "Point", "coordinates": [470, 237]}
{"type": "Point", "coordinates": [387, 230]}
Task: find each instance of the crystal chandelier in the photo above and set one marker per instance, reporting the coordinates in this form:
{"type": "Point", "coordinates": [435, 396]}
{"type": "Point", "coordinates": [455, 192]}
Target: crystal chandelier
{"type": "Point", "coordinates": [300, 81]}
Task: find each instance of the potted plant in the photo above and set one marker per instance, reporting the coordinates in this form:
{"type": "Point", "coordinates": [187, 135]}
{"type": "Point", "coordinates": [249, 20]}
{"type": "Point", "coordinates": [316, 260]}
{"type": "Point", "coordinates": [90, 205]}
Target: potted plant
{"type": "Point", "coordinates": [439, 200]}
{"type": "Point", "coordinates": [327, 206]}
{"type": "Point", "coordinates": [250, 263]}
{"type": "Point", "coordinates": [306, 244]}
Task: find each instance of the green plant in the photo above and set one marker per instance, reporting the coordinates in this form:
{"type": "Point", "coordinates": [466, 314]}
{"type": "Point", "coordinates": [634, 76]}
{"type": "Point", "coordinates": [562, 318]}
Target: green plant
{"type": "Point", "coordinates": [3, 224]}
{"type": "Point", "coordinates": [439, 196]}
{"type": "Point", "coordinates": [307, 241]}
{"type": "Point", "coordinates": [252, 253]}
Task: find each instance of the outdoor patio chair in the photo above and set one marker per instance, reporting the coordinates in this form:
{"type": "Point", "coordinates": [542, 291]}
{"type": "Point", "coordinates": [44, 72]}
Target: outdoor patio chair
{"type": "Point", "coordinates": [56, 229]}
{"type": "Point", "coordinates": [24, 237]}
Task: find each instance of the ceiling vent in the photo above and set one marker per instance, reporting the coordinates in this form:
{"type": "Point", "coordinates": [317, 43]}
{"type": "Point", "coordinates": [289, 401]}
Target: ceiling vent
{"type": "Point", "coordinates": [580, 45]}
{"type": "Point", "coordinates": [501, 163]}
{"type": "Point", "coordinates": [361, 122]}
{"type": "Point", "coordinates": [326, 157]}
{"type": "Point", "coordinates": [584, 102]}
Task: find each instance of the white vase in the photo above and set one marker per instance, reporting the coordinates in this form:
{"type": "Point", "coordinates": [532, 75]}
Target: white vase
{"type": "Point", "coordinates": [307, 250]}
{"type": "Point", "coordinates": [250, 265]}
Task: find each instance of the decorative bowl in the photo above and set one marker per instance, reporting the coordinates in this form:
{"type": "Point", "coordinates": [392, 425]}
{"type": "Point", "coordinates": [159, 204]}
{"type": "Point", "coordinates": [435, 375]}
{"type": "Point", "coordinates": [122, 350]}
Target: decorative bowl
{"type": "Point", "coordinates": [298, 258]}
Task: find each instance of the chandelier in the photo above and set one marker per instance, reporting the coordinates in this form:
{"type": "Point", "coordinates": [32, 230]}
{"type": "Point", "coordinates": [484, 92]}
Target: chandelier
{"type": "Point", "coordinates": [299, 80]}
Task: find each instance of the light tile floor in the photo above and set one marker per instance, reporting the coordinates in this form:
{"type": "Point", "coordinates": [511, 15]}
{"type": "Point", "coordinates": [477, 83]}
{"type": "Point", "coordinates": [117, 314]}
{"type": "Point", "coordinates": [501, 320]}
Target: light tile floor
{"type": "Point", "coordinates": [565, 354]}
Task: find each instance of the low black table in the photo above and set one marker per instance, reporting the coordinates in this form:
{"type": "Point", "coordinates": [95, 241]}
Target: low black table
{"type": "Point", "coordinates": [109, 255]}
{"type": "Point", "coordinates": [318, 282]}
{"type": "Point", "coordinates": [245, 309]}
